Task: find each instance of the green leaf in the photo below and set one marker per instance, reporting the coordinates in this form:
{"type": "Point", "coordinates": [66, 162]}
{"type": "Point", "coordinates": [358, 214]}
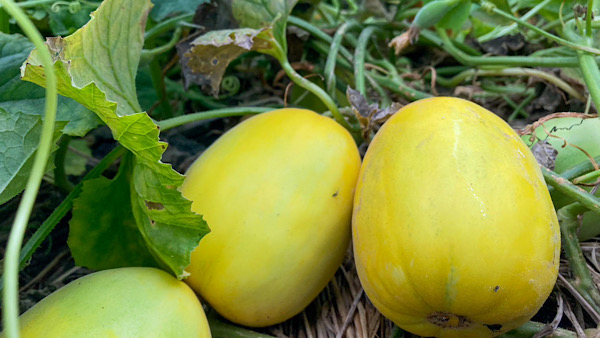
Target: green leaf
{"type": "Point", "coordinates": [96, 66]}
{"type": "Point", "coordinates": [27, 98]}
{"type": "Point", "coordinates": [433, 12]}
{"type": "Point", "coordinates": [102, 232]}
{"type": "Point", "coordinates": [166, 8]}
{"type": "Point", "coordinates": [18, 135]}
{"type": "Point", "coordinates": [19, 138]}
{"type": "Point", "coordinates": [168, 238]}
{"type": "Point", "coordinates": [456, 17]}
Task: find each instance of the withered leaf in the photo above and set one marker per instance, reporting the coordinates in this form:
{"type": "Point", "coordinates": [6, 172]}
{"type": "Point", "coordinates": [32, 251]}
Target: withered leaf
{"type": "Point", "coordinates": [204, 59]}
{"type": "Point", "coordinates": [545, 154]}
{"type": "Point", "coordinates": [359, 103]}
{"type": "Point", "coordinates": [382, 115]}
{"type": "Point", "coordinates": [370, 116]}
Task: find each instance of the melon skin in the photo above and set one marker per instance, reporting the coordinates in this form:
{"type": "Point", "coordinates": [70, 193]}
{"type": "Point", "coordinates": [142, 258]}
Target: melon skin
{"type": "Point", "coordinates": [124, 302]}
{"type": "Point", "coordinates": [277, 192]}
{"type": "Point", "coordinates": [454, 231]}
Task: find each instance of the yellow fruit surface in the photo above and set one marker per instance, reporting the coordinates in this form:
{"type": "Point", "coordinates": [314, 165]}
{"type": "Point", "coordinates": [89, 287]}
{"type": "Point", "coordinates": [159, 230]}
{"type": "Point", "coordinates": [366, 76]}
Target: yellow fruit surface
{"type": "Point", "coordinates": [125, 302]}
{"type": "Point", "coordinates": [454, 231]}
{"type": "Point", "coordinates": [277, 193]}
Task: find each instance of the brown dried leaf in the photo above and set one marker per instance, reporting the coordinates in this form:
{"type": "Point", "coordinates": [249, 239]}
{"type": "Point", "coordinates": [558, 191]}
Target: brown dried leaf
{"type": "Point", "coordinates": [400, 42]}
{"type": "Point", "coordinates": [382, 115]}
{"type": "Point", "coordinates": [545, 154]}
{"type": "Point", "coordinates": [370, 116]}
{"type": "Point", "coordinates": [359, 104]}
{"type": "Point", "coordinates": [205, 58]}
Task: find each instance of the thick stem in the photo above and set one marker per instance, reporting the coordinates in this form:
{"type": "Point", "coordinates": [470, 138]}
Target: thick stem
{"type": "Point", "coordinates": [591, 76]}
{"type": "Point", "coordinates": [11, 258]}
{"type": "Point", "coordinates": [307, 26]}
{"type": "Point", "coordinates": [583, 283]}
{"type": "Point", "coordinates": [317, 91]}
{"type": "Point", "coordinates": [210, 114]}
{"type": "Point", "coordinates": [151, 53]}
{"type": "Point", "coordinates": [459, 78]}
{"type": "Point", "coordinates": [587, 178]}
{"type": "Point", "coordinates": [158, 82]}
{"type": "Point", "coordinates": [159, 87]}
{"type": "Point", "coordinates": [579, 169]}
{"type": "Point", "coordinates": [588, 19]}
{"type": "Point", "coordinates": [519, 107]}
{"type": "Point", "coordinates": [563, 185]}
{"type": "Point", "coordinates": [507, 30]}
{"type": "Point", "coordinates": [443, 41]}
{"type": "Point", "coordinates": [167, 25]}
{"type": "Point", "coordinates": [329, 71]}
{"type": "Point", "coordinates": [359, 59]}
{"type": "Point", "coordinates": [541, 32]}
{"type": "Point", "coordinates": [398, 86]}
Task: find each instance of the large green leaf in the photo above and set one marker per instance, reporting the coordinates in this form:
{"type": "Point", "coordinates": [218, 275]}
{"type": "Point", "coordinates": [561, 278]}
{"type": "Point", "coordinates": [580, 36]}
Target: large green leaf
{"type": "Point", "coordinates": [21, 112]}
{"type": "Point", "coordinates": [19, 137]}
{"type": "Point", "coordinates": [27, 98]}
{"type": "Point", "coordinates": [96, 66]}
{"type": "Point", "coordinates": [105, 236]}
{"type": "Point", "coordinates": [456, 17]}
{"type": "Point", "coordinates": [433, 12]}
{"type": "Point", "coordinates": [168, 238]}
{"type": "Point", "coordinates": [206, 58]}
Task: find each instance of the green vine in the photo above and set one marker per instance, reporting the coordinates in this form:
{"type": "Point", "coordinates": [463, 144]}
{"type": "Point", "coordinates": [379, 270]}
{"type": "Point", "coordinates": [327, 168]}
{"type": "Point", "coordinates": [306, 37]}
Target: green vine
{"type": "Point", "coordinates": [526, 72]}
{"type": "Point", "coordinates": [582, 282]}
{"type": "Point", "coordinates": [490, 7]}
{"type": "Point", "coordinates": [11, 258]}
{"type": "Point", "coordinates": [442, 40]}
{"type": "Point", "coordinates": [563, 185]}
{"type": "Point", "coordinates": [359, 59]}
{"type": "Point", "coordinates": [330, 78]}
